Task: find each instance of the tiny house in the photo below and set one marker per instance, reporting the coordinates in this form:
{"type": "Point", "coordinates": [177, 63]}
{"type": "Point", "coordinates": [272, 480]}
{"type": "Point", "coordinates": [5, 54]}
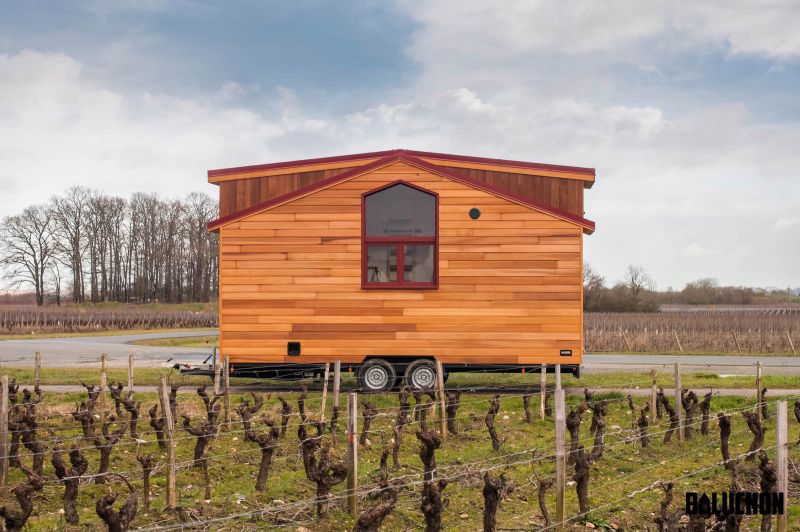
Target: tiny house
{"type": "Point", "coordinates": [389, 261]}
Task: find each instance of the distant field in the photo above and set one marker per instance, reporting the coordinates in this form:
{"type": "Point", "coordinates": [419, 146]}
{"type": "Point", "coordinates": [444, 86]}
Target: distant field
{"type": "Point", "coordinates": [105, 317]}
{"type": "Point", "coordinates": [109, 332]}
{"type": "Point", "coordinates": [680, 331]}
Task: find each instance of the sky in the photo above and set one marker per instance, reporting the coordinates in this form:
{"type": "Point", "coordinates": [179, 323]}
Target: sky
{"type": "Point", "coordinates": [688, 111]}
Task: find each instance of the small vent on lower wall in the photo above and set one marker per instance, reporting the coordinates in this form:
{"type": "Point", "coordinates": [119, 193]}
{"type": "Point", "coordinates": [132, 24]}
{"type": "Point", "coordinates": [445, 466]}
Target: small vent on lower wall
{"type": "Point", "coordinates": [293, 349]}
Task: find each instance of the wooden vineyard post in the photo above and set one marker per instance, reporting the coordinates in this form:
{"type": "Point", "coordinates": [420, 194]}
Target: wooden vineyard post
{"type": "Point", "coordinates": [352, 453]}
{"type": "Point", "coordinates": [337, 381]}
{"type": "Point", "coordinates": [131, 362]}
{"type": "Point", "coordinates": [558, 377]}
{"type": "Point", "coordinates": [561, 457]}
{"type": "Point", "coordinates": [675, 333]}
{"type": "Point", "coordinates": [169, 430]}
{"type": "Point", "coordinates": [653, 395]}
{"type": "Point", "coordinates": [217, 379]}
{"type": "Point", "coordinates": [216, 373]}
{"type": "Point", "coordinates": [736, 340]}
{"type": "Point", "coordinates": [759, 398]}
{"type": "Point", "coordinates": [782, 463]}
{"type": "Point", "coordinates": [226, 383]}
{"type": "Point", "coordinates": [625, 338]}
{"type": "Point", "coordinates": [678, 404]}
{"type": "Point", "coordinates": [4, 436]}
{"type": "Point", "coordinates": [791, 344]}
{"type": "Point", "coordinates": [442, 398]}
{"type": "Point", "coordinates": [103, 384]}
{"type": "Point", "coordinates": [325, 392]}
{"type": "Point", "coordinates": [37, 369]}
{"type": "Point", "coordinates": [542, 390]}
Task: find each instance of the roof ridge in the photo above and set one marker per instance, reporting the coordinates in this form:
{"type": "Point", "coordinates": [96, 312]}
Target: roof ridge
{"type": "Point", "coordinates": [417, 153]}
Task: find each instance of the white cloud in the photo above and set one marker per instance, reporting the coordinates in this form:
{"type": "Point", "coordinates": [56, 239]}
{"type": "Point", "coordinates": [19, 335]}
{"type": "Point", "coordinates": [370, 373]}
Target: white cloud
{"type": "Point", "coordinates": [783, 223]}
{"type": "Point", "coordinates": [62, 128]}
{"type": "Point", "coordinates": [522, 26]}
{"type": "Point", "coordinates": [698, 250]}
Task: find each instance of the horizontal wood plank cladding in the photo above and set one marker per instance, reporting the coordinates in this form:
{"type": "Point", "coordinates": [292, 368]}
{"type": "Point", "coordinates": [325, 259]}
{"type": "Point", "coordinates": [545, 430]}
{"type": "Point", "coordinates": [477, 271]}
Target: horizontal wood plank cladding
{"type": "Point", "coordinates": [564, 194]}
{"type": "Point", "coordinates": [509, 282]}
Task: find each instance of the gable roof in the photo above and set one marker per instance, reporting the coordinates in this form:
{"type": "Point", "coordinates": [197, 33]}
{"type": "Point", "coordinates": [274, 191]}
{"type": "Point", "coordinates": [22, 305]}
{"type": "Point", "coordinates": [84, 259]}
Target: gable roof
{"type": "Point", "coordinates": [586, 175]}
{"type": "Point", "coordinates": [406, 157]}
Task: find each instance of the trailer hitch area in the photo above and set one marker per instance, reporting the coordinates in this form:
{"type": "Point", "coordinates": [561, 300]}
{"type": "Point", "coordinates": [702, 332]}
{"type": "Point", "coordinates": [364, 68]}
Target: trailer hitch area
{"type": "Point", "coordinates": [195, 369]}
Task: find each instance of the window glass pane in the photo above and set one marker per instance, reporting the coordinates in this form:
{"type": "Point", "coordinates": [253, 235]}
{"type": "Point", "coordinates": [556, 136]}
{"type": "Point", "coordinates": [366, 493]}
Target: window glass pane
{"type": "Point", "coordinates": [418, 263]}
{"type": "Point", "coordinates": [381, 264]}
{"type": "Point", "coordinates": [401, 211]}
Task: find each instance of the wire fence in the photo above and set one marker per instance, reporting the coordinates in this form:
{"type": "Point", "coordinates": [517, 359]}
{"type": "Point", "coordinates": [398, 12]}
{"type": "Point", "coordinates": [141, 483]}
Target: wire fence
{"type": "Point", "coordinates": [527, 453]}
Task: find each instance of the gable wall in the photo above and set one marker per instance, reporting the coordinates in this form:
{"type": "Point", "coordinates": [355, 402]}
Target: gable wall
{"type": "Point", "coordinates": [509, 282]}
{"type": "Point", "coordinates": [564, 194]}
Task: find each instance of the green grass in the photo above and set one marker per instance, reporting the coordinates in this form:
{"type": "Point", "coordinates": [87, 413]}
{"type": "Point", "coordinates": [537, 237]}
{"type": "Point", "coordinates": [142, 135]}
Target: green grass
{"type": "Point", "coordinates": [110, 332]}
{"type": "Point", "coordinates": [194, 341]}
{"type": "Point", "coordinates": [622, 381]}
{"type": "Point", "coordinates": [624, 469]}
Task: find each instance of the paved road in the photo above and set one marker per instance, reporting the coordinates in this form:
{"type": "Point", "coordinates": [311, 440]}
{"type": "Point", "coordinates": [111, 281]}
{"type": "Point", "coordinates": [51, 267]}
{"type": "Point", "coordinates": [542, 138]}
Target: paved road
{"type": "Point", "coordinates": [720, 364]}
{"type": "Point", "coordinates": [77, 351]}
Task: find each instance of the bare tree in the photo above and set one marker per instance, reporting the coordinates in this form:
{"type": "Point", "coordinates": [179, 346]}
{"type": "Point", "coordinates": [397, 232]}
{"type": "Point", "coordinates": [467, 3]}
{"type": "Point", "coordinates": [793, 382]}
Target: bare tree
{"type": "Point", "coordinates": [69, 212]}
{"type": "Point", "coordinates": [637, 280]}
{"type": "Point", "coordinates": [27, 248]}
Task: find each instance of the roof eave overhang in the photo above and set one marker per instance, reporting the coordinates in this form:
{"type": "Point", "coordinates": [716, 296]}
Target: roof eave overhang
{"type": "Point", "coordinates": [588, 226]}
{"type": "Point", "coordinates": [587, 175]}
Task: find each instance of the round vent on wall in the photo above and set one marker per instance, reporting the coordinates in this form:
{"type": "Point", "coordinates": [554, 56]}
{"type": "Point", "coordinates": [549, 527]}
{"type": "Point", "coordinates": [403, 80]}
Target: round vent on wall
{"type": "Point", "coordinates": [474, 213]}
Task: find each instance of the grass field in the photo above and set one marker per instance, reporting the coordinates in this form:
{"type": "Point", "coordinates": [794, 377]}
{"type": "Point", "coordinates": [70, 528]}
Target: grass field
{"type": "Point", "coordinates": [526, 452]}
{"type": "Point", "coordinates": [624, 381]}
{"type": "Point", "coordinates": [111, 332]}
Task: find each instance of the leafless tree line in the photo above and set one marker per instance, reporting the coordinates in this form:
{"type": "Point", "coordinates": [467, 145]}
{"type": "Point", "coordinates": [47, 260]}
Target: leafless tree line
{"type": "Point", "coordinates": [99, 248]}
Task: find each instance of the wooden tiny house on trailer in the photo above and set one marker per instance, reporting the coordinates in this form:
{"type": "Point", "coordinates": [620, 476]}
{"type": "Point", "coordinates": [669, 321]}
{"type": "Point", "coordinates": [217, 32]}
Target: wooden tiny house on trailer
{"type": "Point", "coordinates": [390, 260]}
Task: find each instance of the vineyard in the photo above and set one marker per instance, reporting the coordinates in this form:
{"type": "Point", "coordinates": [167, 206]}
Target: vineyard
{"type": "Point", "coordinates": [67, 320]}
{"type": "Point", "coordinates": [101, 459]}
{"type": "Point", "coordinates": [725, 331]}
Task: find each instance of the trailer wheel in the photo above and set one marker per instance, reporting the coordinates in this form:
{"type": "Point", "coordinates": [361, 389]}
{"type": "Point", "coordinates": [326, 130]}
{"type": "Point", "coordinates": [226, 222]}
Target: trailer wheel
{"type": "Point", "coordinates": [421, 375]}
{"type": "Point", "coordinates": [376, 375]}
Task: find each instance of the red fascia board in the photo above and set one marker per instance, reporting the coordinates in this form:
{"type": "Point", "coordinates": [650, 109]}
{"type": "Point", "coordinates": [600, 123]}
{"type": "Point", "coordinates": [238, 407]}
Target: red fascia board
{"type": "Point", "coordinates": [586, 223]}
{"type": "Point", "coordinates": [300, 162]}
{"type": "Point", "coordinates": [301, 192]}
{"type": "Point", "coordinates": [501, 162]}
{"type": "Point", "coordinates": [399, 155]}
{"type": "Point", "coordinates": [431, 155]}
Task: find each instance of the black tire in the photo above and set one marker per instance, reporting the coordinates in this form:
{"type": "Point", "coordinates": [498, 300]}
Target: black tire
{"type": "Point", "coordinates": [421, 375]}
{"type": "Point", "coordinates": [376, 375]}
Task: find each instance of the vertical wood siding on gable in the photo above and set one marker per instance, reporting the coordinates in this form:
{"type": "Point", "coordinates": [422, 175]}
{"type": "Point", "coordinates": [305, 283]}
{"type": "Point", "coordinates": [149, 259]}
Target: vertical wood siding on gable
{"type": "Point", "coordinates": [564, 194]}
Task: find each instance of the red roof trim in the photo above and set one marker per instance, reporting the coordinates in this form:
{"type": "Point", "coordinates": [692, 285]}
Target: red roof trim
{"type": "Point", "coordinates": [301, 192]}
{"type": "Point", "coordinates": [501, 162]}
{"type": "Point", "coordinates": [300, 162]}
{"type": "Point", "coordinates": [400, 155]}
{"type": "Point", "coordinates": [372, 155]}
{"type": "Point", "coordinates": [584, 222]}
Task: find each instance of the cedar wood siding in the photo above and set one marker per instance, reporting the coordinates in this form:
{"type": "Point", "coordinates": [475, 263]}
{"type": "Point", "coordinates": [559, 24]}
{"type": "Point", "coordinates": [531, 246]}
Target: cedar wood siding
{"type": "Point", "coordinates": [510, 287]}
{"type": "Point", "coordinates": [565, 194]}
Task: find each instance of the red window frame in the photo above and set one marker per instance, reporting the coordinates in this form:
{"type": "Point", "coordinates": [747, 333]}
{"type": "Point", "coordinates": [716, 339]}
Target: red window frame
{"type": "Point", "coordinates": [399, 242]}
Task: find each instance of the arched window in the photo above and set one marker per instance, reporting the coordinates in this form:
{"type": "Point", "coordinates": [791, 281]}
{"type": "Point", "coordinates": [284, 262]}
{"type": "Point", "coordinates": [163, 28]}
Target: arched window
{"type": "Point", "coordinates": [400, 236]}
